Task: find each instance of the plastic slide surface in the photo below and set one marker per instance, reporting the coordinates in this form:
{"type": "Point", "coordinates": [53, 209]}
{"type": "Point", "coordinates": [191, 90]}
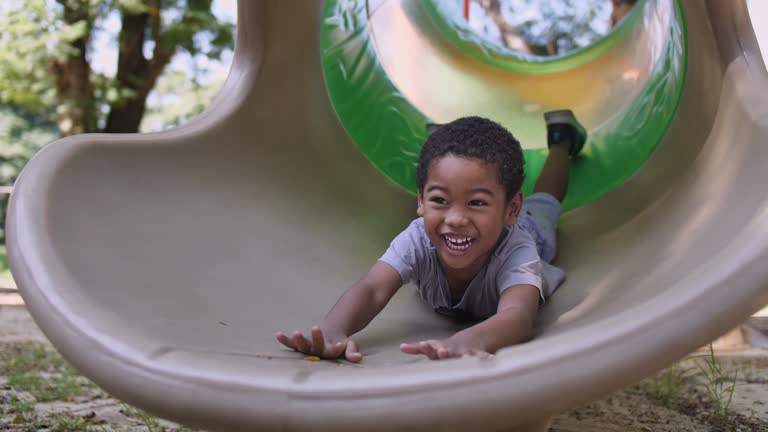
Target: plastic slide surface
{"type": "Point", "coordinates": [162, 264]}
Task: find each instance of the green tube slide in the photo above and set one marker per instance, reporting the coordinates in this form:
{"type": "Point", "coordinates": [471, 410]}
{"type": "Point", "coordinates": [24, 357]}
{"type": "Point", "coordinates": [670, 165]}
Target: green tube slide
{"type": "Point", "coordinates": [393, 66]}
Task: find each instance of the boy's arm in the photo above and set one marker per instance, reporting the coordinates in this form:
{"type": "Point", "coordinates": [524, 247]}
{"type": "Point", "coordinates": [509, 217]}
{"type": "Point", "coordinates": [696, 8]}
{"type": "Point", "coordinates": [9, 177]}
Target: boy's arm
{"type": "Point", "coordinates": [512, 323]}
{"type": "Point", "coordinates": [363, 301]}
{"type": "Point", "coordinates": [351, 313]}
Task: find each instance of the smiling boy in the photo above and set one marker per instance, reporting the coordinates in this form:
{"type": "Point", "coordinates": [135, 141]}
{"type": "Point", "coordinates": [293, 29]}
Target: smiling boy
{"type": "Point", "coordinates": [477, 251]}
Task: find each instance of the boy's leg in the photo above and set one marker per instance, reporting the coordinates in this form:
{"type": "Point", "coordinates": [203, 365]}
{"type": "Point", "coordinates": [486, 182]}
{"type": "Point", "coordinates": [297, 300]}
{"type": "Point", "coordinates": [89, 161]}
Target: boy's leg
{"type": "Point", "coordinates": [541, 211]}
{"type": "Point", "coordinates": [554, 175]}
{"type": "Point", "coordinates": [565, 138]}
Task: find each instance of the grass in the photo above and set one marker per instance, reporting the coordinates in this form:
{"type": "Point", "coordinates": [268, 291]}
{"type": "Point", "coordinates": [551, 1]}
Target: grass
{"type": "Point", "coordinates": [669, 385]}
{"type": "Point", "coordinates": [152, 423]}
{"type": "Point", "coordinates": [19, 406]}
{"type": "Point", "coordinates": [69, 423]}
{"type": "Point", "coordinates": [40, 372]}
{"type": "Point", "coordinates": [5, 271]}
{"type": "Point", "coordinates": [36, 374]}
{"type": "Point", "coordinates": [718, 387]}
{"type": "Point", "coordinates": [699, 386]}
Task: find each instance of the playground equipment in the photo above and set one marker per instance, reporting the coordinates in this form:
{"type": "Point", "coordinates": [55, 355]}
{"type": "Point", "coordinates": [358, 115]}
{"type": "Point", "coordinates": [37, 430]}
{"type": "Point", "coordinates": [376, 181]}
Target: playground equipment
{"type": "Point", "coordinates": [160, 265]}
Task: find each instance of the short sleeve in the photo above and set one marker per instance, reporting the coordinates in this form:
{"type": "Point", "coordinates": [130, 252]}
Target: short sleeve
{"type": "Point", "coordinates": [522, 267]}
{"type": "Point", "coordinates": [404, 250]}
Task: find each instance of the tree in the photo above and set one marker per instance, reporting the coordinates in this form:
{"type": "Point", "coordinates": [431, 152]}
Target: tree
{"type": "Point", "coordinates": [22, 134]}
{"type": "Point", "coordinates": [509, 35]}
{"type": "Point", "coordinates": [544, 27]}
{"type": "Point", "coordinates": [45, 58]}
{"type": "Point", "coordinates": [176, 99]}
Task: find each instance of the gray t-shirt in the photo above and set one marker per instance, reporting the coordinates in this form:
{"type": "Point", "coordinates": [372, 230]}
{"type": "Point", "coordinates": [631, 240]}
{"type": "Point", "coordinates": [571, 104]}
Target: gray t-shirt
{"type": "Point", "coordinates": [514, 262]}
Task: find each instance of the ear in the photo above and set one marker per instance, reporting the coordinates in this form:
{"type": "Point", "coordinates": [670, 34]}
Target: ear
{"type": "Point", "coordinates": [512, 212]}
{"type": "Point", "coordinates": [420, 208]}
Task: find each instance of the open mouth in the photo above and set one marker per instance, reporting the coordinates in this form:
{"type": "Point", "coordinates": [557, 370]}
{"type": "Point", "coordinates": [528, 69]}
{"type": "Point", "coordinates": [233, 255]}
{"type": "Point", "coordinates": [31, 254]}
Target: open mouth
{"type": "Point", "coordinates": [458, 244]}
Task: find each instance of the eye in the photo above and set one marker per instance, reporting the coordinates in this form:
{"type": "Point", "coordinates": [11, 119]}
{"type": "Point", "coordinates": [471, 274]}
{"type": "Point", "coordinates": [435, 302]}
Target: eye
{"type": "Point", "coordinates": [478, 203]}
{"type": "Point", "coordinates": [438, 200]}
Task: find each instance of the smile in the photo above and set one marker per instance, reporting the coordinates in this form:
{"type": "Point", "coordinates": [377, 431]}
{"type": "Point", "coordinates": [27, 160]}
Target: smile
{"type": "Point", "coordinates": [458, 244]}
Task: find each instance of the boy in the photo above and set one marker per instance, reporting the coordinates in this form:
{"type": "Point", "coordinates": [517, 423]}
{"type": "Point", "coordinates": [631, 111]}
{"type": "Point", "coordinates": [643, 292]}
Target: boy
{"type": "Point", "coordinates": [477, 251]}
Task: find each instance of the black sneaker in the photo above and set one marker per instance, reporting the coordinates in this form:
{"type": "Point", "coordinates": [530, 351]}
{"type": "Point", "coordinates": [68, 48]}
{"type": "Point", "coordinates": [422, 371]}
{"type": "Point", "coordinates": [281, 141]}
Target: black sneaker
{"type": "Point", "coordinates": [562, 125]}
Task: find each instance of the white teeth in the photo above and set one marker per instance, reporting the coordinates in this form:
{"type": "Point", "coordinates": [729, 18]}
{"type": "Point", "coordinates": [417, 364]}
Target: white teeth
{"type": "Point", "coordinates": [461, 243]}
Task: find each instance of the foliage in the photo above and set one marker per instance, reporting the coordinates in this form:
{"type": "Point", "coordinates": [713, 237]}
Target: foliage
{"type": "Point", "coordinates": [41, 372]}
{"type": "Point", "coordinates": [26, 43]}
{"type": "Point", "coordinates": [150, 422]}
{"type": "Point", "coordinates": [549, 27]}
{"type": "Point", "coordinates": [35, 34]}
{"type": "Point", "coordinates": [43, 66]}
{"type": "Point", "coordinates": [36, 374]}
{"type": "Point", "coordinates": [668, 386]}
{"type": "Point", "coordinates": [719, 388]}
{"type": "Point", "coordinates": [177, 99]}
{"type": "Point", "coordinates": [22, 134]}
{"type": "Point", "coordinates": [49, 86]}
{"type": "Point", "coordinates": [681, 385]}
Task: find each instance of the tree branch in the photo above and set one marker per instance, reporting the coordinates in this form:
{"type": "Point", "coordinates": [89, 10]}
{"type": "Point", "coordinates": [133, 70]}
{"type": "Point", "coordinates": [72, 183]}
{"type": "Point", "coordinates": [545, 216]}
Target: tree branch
{"type": "Point", "coordinates": [134, 71]}
{"type": "Point", "coordinates": [161, 55]}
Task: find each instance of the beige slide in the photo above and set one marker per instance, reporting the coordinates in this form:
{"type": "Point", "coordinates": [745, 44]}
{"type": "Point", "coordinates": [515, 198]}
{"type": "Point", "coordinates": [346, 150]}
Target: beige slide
{"type": "Point", "coordinates": [162, 264]}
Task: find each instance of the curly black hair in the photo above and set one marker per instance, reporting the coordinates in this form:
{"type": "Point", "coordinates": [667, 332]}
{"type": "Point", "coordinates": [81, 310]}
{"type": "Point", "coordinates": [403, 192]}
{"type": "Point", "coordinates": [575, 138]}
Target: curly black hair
{"type": "Point", "coordinates": [479, 138]}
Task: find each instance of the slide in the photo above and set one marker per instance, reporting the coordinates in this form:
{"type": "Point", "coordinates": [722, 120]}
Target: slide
{"type": "Point", "coordinates": [161, 264]}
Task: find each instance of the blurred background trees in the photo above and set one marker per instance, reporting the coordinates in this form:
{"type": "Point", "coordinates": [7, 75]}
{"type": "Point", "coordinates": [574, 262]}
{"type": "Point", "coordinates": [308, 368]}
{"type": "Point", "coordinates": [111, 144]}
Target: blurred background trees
{"type": "Point", "coordinates": [45, 58]}
{"type": "Point", "coordinates": [80, 66]}
{"type": "Point", "coordinates": [542, 27]}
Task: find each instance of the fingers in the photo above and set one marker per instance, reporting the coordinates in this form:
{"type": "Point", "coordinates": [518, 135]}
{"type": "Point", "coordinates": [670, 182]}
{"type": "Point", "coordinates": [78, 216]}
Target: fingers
{"type": "Point", "coordinates": [443, 353]}
{"type": "Point", "coordinates": [423, 347]}
{"type": "Point", "coordinates": [428, 349]}
{"type": "Point", "coordinates": [352, 353]}
{"type": "Point", "coordinates": [302, 343]}
{"type": "Point", "coordinates": [316, 345]}
{"type": "Point", "coordinates": [325, 350]}
{"type": "Point", "coordinates": [285, 340]}
{"type": "Point", "coordinates": [438, 350]}
{"type": "Point", "coordinates": [318, 341]}
{"type": "Point", "coordinates": [296, 342]}
{"type": "Point", "coordinates": [337, 350]}
{"type": "Point", "coordinates": [410, 348]}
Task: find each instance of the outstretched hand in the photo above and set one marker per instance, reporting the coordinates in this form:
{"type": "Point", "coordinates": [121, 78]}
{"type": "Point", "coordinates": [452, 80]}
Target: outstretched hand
{"type": "Point", "coordinates": [444, 349]}
{"type": "Point", "coordinates": [320, 345]}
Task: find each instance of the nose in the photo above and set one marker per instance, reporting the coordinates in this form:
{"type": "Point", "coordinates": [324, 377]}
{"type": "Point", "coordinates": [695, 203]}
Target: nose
{"type": "Point", "coordinates": [455, 217]}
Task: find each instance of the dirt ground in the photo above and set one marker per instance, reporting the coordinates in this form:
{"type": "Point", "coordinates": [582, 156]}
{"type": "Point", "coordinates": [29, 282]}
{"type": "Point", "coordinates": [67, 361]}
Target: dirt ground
{"type": "Point", "coordinates": [39, 392]}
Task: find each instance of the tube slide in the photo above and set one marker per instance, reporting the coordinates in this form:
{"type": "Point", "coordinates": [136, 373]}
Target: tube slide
{"type": "Point", "coordinates": [160, 265]}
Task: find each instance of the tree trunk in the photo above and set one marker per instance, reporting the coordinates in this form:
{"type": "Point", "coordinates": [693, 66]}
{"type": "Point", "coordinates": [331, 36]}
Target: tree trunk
{"type": "Point", "coordinates": [74, 90]}
{"type": "Point", "coordinates": [136, 75]}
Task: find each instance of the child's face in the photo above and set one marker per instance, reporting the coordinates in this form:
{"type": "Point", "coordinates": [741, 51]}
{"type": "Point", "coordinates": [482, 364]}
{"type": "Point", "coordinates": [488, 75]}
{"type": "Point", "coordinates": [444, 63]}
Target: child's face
{"type": "Point", "coordinates": [465, 209]}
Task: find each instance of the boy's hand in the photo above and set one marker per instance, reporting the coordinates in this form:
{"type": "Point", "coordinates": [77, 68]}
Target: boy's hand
{"type": "Point", "coordinates": [321, 346]}
{"type": "Point", "coordinates": [446, 348]}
